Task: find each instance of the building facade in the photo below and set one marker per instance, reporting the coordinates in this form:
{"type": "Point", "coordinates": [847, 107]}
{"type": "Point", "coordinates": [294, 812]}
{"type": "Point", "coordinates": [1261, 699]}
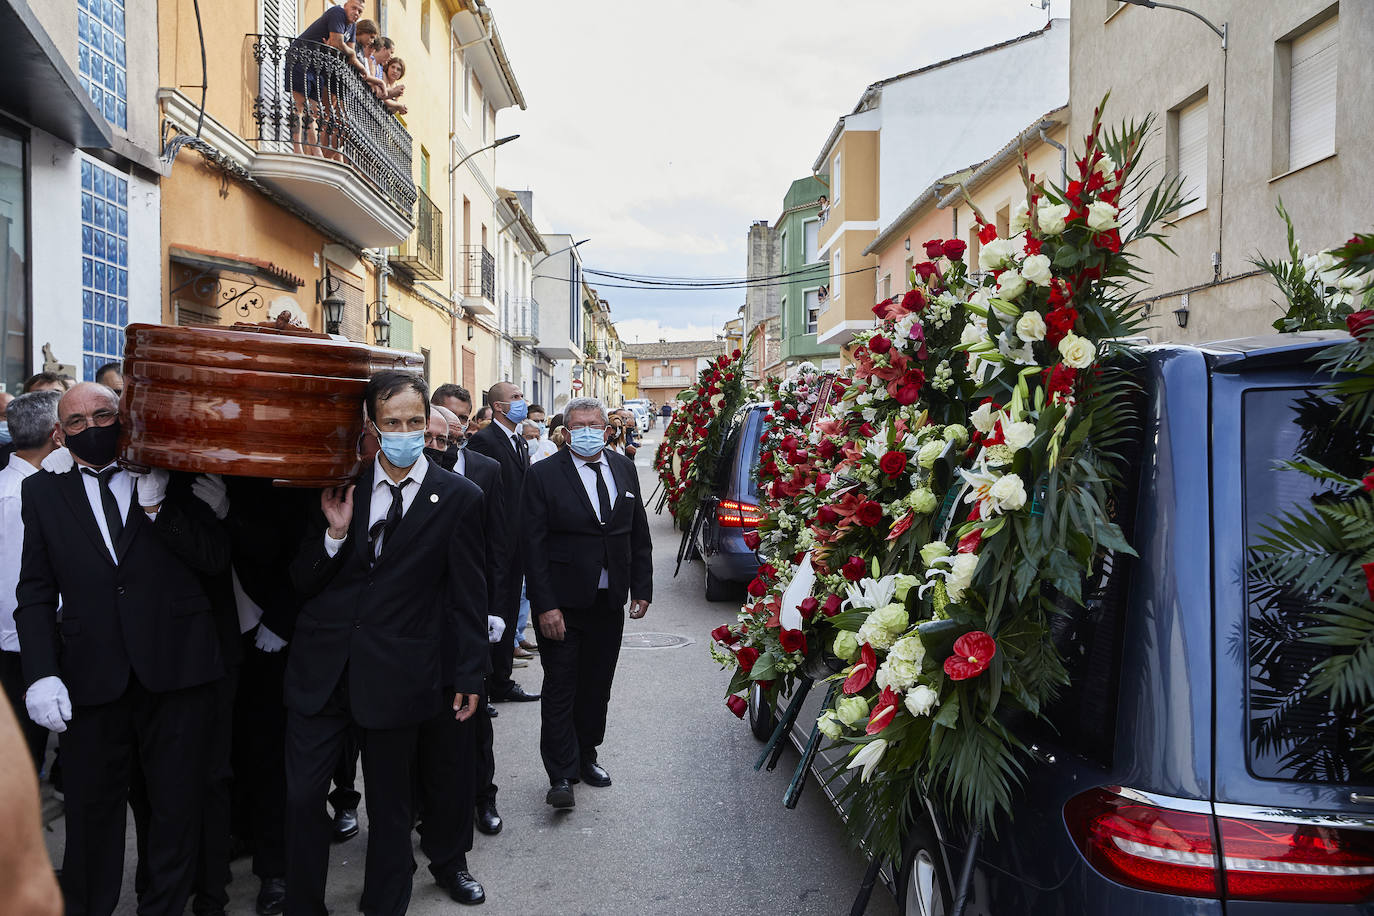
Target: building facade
{"type": "Point", "coordinates": [561, 290]}
{"type": "Point", "coordinates": [519, 245]}
{"type": "Point", "coordinates": [803, 276]}
{"type": "Point", "coordinates": [762, 321]}
{"type": "Point", "coordinates": [667, 368]}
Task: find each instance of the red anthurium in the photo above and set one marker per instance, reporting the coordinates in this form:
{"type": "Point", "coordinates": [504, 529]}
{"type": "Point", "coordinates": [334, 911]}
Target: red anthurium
{"type": "Point", "coordinates": [854, 569]}
{"type": "Point", "coordinates": [722, 634]}
{"type": "Point", "coordinates": [752, 540]}
{"type": "Point", "coordinates": [970, 542]}
{"type": "Point", "coordinates": [884, 712]}
{"type": "Point", "coordinates": [746, 657]}
{"type": "Point", "coordinates": [757, 588]}
{"type": "Point", "coordinates": [892, 463]}
{"type": "Point", "coordinates": [831, 606]}
{"type": "Point", "coordinates": [863, 672]}
{"type": "Point", "coordinates": [1369, 578]}
{"type": "Point", "coordinates": [901, 526]}
{"type": "Point", "coordinates": [973, 653]}
{"type": "Point", "coordinates": [738, 705]}
{"type": "Point", "coordinates": [808, 607]}
{"type": "Point", "coordinates": [792, 641]}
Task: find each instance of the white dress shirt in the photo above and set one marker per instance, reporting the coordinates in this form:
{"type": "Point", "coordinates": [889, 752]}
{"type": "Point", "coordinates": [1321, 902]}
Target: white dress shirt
{"type": "Point", "coordinates": [122, 486]}
{"type": "Point", "coordinates": [586, 472]}
{"type": "Point", "coordinates": [460, 467]}
{"type": "Point", "coordinates": [380, 503]}
{"type": "Point", "coordinates": [11, 545]}
{"type": "Point", "coordinates": [542, 448]}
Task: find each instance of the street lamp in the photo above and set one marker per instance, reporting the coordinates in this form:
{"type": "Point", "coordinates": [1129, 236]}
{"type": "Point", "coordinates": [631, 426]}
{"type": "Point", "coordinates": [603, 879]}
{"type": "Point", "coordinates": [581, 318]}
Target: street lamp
{"type": "Point", "coordinates": [381, 325]}
{"type": "Point", "coordinates": [1151, 4]}
{"type": "Point", "coordinates": [333, 305]}
{"type": "Point", "coordinates": [502, 142]}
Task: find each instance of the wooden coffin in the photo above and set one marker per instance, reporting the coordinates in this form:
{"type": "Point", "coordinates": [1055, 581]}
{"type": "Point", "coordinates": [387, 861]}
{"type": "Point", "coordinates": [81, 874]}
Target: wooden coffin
{"type": "Point", "coordinates": [247, 400]}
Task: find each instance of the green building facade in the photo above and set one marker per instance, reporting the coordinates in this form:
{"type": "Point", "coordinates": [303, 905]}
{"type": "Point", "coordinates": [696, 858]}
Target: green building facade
{"type": "Point", "coordinates": [800, 299]}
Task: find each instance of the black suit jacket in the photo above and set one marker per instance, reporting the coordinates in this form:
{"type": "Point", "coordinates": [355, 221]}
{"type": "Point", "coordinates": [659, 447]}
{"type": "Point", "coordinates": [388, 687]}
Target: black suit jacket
{"type": "Point", "coordinates": [486, 473]}
{"type": "Point", "coordinates": [149, 615]}
{"type": "Point", "coordinates": [388, 622]}
{"type": "Point", "coordinates": [493, 442]}
{"type": "Point", "coordinates": [266, 526]}
{"type": "Point", "coordinates": [564, 543]}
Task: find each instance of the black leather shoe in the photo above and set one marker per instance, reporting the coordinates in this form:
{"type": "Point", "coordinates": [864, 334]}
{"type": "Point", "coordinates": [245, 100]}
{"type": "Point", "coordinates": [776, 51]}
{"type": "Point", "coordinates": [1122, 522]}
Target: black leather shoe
{"type": "Point", "coordinates": [561, 794]}
{"type": "Point", "coordinates": [492, 710]}
{"type": "Point", "coordinates": [593, 774]}
{"type": "Point", "coordinates": [345, 824]}
{"type": "Point", "coordinates": [463, 887]}
{"type": "Point", "coordinates": [488, 821]}
{"type": "Point", "coordinates": [516, 694]}
{"type": "Point", "coordinates": [271, 896]}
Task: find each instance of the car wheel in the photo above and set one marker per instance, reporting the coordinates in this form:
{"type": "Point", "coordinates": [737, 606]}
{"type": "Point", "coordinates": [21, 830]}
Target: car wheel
{"type": "Point", "coordinates": [717, 589]}
{"type": "Point", "coordinates": [922, 889]}
{"type": "Point", "coordinates": [762, 721]}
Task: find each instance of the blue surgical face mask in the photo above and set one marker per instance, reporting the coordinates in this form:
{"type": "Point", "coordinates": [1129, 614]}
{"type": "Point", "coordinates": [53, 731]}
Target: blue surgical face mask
{"type": "Point", "coordinates": [518, 410]}
{"type": "Point", "coordinates": [402, 449]}
{"type": "Point", "coordinates": [586, 442]}
{"type": "Point", "coordinates": [4, 432]}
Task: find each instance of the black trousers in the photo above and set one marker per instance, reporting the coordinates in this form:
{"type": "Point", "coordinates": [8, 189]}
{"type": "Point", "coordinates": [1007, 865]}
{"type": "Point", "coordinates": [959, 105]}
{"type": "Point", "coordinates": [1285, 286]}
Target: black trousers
{"type": "Point", "coordinates": [483, 741]}
{"type": "Point", "coordinates": [167, 736]}
{"type": "Point", "coordinates": [447, 782]}
{"type": "Point", "coordinates": [313, 744]}
{"type": "Point", "coordinates": [345, 795]}
{"type": "Point", "coordinates": [578, 671]}
{"type": "Point", "coordinates": [499, 681]}
{"type": "Point", "coordinates": [259, 758]}
{"type": "Point", "coordinates": [35, 735]}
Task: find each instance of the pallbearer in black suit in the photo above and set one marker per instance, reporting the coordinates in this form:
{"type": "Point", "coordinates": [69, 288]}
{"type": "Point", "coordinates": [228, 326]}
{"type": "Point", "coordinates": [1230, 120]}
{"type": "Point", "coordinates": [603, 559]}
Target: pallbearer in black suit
{"type": "Point", "coordinates": [391, 575]}
{"type": "Point", "coordinates": [588, 550]}
{"type": "Point", "coordinates": [129, 672]}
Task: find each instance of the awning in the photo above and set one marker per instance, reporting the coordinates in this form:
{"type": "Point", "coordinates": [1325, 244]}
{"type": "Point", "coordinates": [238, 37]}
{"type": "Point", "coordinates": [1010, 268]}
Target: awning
{"type": "Point", "coordinates": [40, 88]}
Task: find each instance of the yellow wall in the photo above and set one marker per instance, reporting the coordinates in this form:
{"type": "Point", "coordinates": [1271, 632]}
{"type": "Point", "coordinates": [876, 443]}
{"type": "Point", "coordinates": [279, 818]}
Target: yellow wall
{"type": "Point", "coordinates": [851, 293]}
{"type": "Point", "coordinates": [629, 388]}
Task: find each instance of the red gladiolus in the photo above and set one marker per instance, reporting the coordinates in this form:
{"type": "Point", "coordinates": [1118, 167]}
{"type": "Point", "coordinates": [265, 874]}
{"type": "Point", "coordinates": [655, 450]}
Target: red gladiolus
{"type": "Point", "coordinates": [831, 606]}
{"type": "Point", "coordinates": [870, 513]}
{"type": "Point", "coordinates": [913, 301]}
{"type": "Point", "coordinates": [973, 653]}
{"type": "Point", "coordinates": [1359, 323]}
{"type": "Point", "coordinates": [723, 635]}
{"type": "Point", "coordinates": [827, 516]}
{"type": "Point", "coordinates": [752, 540]}
{"type": "Point", "coordinates": [863, 672]}
{"type": "Point", "coordinates": [893, 463]}
{"type": "Point", "coordinates": [738, 705]}
{"type": "Point", "coordinates": [1369, 578]}
{"type": "Point", "coordinates": [953, 249]}
{"type": "Point", "coordinates": [934, 248]}
{"type": "Point", "coordinates": [756, 587]}
{"type": "Point", "coordinates": [792, 641]}
{"type": "Point", "coordinates": [854, 569]}
{"type": "Point", "coordinates": [884, 712]}
{"type": "Point", "coordinates": [987, 232]}
{"type": "Point", "coordinates": [1033, 245]}
{"type": "Point", "coordinates": [1059, 323]}
{"type": "Point", "coordinates": [746, 658]}
{"type": "Point", "coordinates": [1061, 379]}
{"type": "Point", "coordinates": [879, 344]}
{"type": "Point", "coordinates": [1369, 482]}
{"type": "Point", "coordinates": [808, 607]}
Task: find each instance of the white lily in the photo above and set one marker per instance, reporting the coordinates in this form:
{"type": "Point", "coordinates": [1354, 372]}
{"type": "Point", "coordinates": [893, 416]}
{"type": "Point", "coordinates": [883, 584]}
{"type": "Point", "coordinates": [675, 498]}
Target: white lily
{"type": "Point", "coordinates": [868, 757]}
{"type": "Point", "coordinates": [872, 593]}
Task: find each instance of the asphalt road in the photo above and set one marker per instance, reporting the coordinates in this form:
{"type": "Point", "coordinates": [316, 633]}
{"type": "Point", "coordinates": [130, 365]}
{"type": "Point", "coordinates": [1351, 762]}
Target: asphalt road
{"type": "Point", "coordinates": [688, 826]}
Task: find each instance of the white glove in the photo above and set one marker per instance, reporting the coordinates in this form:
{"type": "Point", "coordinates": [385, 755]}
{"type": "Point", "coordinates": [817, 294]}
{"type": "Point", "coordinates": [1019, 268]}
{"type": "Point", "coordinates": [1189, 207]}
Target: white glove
{"type": "Point", "coordinates": [58, 462]}
{"type": "Point", "coordinates": [211, 490]}
{"type": "Point", "coordinates": [265, 639]}
{"type": "Point", "coordinates": [48, 703]}
{"type": "Point", "coordinates": [152, 487]}
{"type": "Point", "coordinates": [495, 628]}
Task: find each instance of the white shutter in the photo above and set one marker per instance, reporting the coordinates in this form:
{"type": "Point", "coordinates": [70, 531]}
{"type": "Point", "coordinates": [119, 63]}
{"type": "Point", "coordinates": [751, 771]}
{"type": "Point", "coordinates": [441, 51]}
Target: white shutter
{"type": "Point", "coordinates": [1312, 95]}
{"type": "Point", "coordinates": [813, 310]}
{"type": "Point", "coordinates": [811, 230]}
{"type": "Point", "coordinates": [1192, 154]}
{"type": "Point", "coordinates": [278, 24]}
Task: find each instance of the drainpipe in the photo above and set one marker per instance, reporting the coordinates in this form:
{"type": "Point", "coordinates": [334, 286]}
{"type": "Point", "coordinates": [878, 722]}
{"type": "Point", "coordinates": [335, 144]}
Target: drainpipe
{"type": "Point", "coordinates": [1063, 154]}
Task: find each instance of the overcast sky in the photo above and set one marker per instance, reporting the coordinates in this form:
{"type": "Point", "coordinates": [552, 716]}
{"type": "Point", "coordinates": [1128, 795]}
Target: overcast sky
{"type": "Point", "coordinates": [662, 131]}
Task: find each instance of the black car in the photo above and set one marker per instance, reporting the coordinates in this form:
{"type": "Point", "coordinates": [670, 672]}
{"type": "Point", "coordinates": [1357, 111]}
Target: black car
{"type": "Point", "coordinates": [1156, 786]}
{"type": "Point", "coordinates": [732, 508]}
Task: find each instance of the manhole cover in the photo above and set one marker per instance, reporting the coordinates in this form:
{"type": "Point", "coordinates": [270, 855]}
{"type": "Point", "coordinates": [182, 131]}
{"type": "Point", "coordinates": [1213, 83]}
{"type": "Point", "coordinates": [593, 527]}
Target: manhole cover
{"type": "Point", "coordinates": [654, 641]}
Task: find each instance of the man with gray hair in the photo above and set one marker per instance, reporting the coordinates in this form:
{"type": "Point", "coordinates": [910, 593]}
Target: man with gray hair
{"type": "Point", "coordinates": [587, 552]}
{"type": "Point", "coordinates": [32, 420]}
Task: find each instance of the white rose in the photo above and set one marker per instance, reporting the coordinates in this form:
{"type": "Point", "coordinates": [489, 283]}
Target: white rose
{"type": "Point", "coordinates": [830, 725]}
{"type": "Point", "coordinates": [930, 453]}
{"type": "Point", "coordinates": [960, 575]}
{"type": "Point", "coordinates": [1036, 269]}
{"type": "Point", "coordinates": [1053, 218]}
{"type": "Point", "coordinates": [1010, 284]}
{"type": "Point", "coordinates": [1101, 216]}
{"type": "Point", "coordinates": [920, 701]}
{"type": "Point", "coordinates": [956, 434]}
{"type": "Point", "coordinates": [934, 551]}
{"type": "Point", "coordinates": [1030, 326]}
{"type": "Point", "coordinates": [1019, 220]}
{"type": "Point", "coordinates": [1008, 493]}
{"type": "Point", "coordinates": [1078, 352]}
{"type": "Point", "coordinates": [995, 254]}
{"type": "Point", "coordinates": [1018, 435]}
{"type": "Point", "coordinates": [983, 418]}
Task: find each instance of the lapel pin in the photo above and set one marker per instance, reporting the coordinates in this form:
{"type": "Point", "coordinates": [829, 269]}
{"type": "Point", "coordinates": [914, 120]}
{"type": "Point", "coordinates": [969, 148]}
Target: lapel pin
{"type": "Point", "coordinates": [434, 497]}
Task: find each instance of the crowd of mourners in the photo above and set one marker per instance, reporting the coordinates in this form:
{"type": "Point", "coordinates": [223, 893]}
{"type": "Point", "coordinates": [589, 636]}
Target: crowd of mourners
{"type": "Point", "coordinates": [217, 655]}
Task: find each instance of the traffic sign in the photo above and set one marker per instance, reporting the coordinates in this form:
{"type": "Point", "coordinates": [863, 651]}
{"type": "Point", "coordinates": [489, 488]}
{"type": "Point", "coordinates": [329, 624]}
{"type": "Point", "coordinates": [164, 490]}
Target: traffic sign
{"type": "Point", "coordinates": [577, 384]}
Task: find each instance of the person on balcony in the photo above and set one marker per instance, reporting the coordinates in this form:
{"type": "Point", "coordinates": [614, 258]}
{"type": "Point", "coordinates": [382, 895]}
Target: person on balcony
{"type": "Point", "coordinates": [313, 100]}
{"type": "Point", "coordinates": [395, 68]}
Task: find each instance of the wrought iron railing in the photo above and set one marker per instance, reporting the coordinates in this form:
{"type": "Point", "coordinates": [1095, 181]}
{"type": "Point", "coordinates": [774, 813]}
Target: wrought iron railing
{"type": "Point", "coordinates": [478, 275]}
{"type": "Point", "coordinates": [311, 101]}
{"type": "Point", "coordinates": [423, 253]}
{"type": "Point", "coordinates": [525, 323]}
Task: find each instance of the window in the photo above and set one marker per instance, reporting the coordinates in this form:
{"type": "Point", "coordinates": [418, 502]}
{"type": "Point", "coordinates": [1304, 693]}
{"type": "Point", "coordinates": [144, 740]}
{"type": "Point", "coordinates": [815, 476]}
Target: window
{"type": "Point", "coordinates": [658, 372]}
{"type": "Point", "coordinates": [424, 170]}
{"type": "Point", "coordinates": [1190, 153]}
{"type": "Point", "coordinates": [104, 266]}
{"type": "Point", "coordinates": [812, 298]}
{"type": "Point", "coordinates": [782, 246]}
{"type": "Point", "coordinates": [1312, 95]}
{"type": "Point", "coordinates": [677, 370]}
{"type": "Point", "coordinates": [14, 300]}
{"type": "Point", "coordinates": [402, 332]}
{"type": "Point", "coordinates": [424, 23]}
{"type": "Point", "coordinates": [811, 230]}
{"type": "Point", "coordinates": [467, 93]}
{"type": "Point", "coordinates": [836, 272]}
{"type": "Point", "coordinates": [835, 179]}
{"type": "Point", "coordinates": [382, 17]}
{"type": "Point", "coordinates": [484, 124]}
{"type": "Point", "coordinates": [100, 57]}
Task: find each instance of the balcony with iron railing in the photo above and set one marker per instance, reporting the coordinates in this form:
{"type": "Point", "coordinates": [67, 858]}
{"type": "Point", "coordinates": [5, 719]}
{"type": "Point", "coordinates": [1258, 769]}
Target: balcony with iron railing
{"type": "Point", "coordinates": [525, 321]}
{"type": "Point", "coordinates": [326, 142]}
{"type": "Point", "coordinates": [477, 279]}
{"type": "Point", "coordinates": [422, 255]}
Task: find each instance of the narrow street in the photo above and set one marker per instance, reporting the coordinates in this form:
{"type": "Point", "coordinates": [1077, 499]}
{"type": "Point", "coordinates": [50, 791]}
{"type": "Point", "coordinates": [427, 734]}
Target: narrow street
{"type": "Point", "coordinates": [688, 827]}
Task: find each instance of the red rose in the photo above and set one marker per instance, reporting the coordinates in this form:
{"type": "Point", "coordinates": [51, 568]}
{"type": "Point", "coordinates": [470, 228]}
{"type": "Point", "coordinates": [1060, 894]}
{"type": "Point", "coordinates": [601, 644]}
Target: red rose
{"type": "Point", "coordinates": [854, 569]}
{"type": "Point", "coordinates": [1359, 323]}
{"type": "Point", "coordinates": [792, 641]}
{"type": "Point", "coordinates": [827, 516]}
{"type": "Point", "coordinates": [913, 301]}
{"type": "Point", "coordinates": [893, 463]}
{"type": "Point", "coordinates": [908, 394]}
{"type": "Point", "coordinates": [826, 449]}
{"type": "Point", "coordinates": [831, 606]}
{"type": "Point", "coordinates": [879, 344]}
{"type": "Point", "coordinates": [934, 248]}
{"type": "Point", "coordinates": [737, 705]}
{"type": "Point", "coordinates": [752, 540]}
{"type": "Point", "coordinates": [973, 653]}
{"type": "Point", "coordinates": [756, 587]}
{"type": "Point", "coordinates": [863, 672]}
{"type": "Point", "coordinates": [870, 513]}
{"type": "Point", "coordinates": [722, 634]}
{"type": "Point", "coordinates": [808, 607]}
{"type": "Point", "coordinates": [768, 571]}
{"type": "Point", "coordinates": [884, 712]}
{"type": "Point", "coordinates": [925, 270]}
{"type": "Point", "coordinates": [953, 249]}
{"type": "Point", "coordinates": [746, 657]}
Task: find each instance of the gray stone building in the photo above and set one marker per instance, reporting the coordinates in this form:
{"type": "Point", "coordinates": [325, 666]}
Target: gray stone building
{"type": "Point", "coordinates": [762, 319]}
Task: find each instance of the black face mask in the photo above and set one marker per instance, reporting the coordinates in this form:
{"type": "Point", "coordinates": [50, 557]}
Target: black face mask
{"type": "Point", "coordinates": [95, 445]}
{"type": "Point", "coordinates": [447, 459]}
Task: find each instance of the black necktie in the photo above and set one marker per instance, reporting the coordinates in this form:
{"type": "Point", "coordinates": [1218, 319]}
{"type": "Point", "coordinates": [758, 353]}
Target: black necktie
{"type": "Point", "coordinates": [108, 502]}
{"type": "Point", "coordinates": [603, 496]}
{"type": "Point", "coordinates": [521, 448]}
{"type": "Point", "coordinates": [387, 526]}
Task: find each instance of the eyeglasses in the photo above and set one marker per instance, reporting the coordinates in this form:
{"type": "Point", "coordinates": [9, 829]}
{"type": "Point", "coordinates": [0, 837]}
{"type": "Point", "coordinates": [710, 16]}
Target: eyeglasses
{"type": "Point", "coordinates": [599, 427]}
{"type": "Point", "coordinates": [440, 442]}
{"type": "Point", "coordinates": [78, 423]}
